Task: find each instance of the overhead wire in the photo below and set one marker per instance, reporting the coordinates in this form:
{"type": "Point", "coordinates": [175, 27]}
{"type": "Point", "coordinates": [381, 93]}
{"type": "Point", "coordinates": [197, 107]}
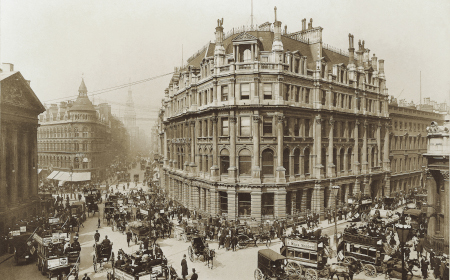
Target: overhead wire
{"type": "Point", "coordinates": [105, 90]}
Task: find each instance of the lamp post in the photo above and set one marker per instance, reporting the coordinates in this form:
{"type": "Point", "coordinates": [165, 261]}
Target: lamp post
{"type": "Point", "coordinates": [403, 232]}
{"type": "Point", "coordinates": [335, 191]}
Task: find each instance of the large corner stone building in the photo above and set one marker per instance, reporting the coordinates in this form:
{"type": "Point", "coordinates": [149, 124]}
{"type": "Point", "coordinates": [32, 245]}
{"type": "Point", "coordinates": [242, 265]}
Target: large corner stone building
{"type": "Point", "coordinates": [261, 123]}
{"type": "Point", "coordinates": [74, 139]}
{"type": "Point", "coordinates": [19, 110]}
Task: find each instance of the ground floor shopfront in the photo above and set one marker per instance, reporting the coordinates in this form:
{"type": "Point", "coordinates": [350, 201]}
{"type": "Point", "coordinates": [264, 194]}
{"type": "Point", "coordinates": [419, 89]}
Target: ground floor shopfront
{"type": "Point", "coordinates": [260, 202]}
{"type": "Point", "coordinates": [14, 213]}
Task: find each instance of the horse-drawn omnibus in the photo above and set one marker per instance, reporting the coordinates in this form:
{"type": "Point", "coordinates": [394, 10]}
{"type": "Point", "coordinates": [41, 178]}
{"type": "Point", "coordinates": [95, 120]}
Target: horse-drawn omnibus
{"type": "Point", "coordinates": [367, 249]}
{"type": "Point", "coordinates": [306, 257]}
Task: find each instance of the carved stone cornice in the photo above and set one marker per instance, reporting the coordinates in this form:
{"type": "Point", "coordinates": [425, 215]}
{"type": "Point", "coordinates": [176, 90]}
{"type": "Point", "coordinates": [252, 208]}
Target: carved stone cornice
{"type": "Point", "coordinates": [280, 118]}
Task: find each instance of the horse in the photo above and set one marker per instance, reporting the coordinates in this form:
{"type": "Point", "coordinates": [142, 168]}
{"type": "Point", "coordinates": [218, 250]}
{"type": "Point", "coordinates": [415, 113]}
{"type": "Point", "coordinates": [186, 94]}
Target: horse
{"type": "Point", "coordinates": [345, 270]}
{"type": "Point", "coordinates": [395, 264]}
{"type": "Point", "coordinates": [208, 255]}
{"type": "Point", "coordinates": [265, 237]}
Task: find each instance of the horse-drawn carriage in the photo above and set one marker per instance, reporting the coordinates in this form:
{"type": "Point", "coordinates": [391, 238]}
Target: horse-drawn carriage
{"type": "Point", "coordinates": [92, 201]}
{"type": "Point", "coordinates": [246, 236]}
{"type": "Point", "coordinates": [271, 265]}
{"type": "Point", "coordinates": [51, 258]}
{"type": "Point", "coordinates": [78, 209]}
{"type": "Point", "coordinates": [102, 253]}
{"type": "Point", "coordinates": [24, 249]}
{"type": "Point", "coordinates": [148, 266]}
{"type": "Point", "coordinates": [199, 248]}
{"type": "Point", "coordinates": [305, 257]}
{"type": "Point", "coordinates": [367, 249]}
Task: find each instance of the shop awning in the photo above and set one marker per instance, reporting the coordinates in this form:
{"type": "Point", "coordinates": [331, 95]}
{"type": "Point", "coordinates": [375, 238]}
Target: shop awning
{"type": "Point", "coordinates": [52, 175]}
{"type": "Point", "coordinates": [81, 176]}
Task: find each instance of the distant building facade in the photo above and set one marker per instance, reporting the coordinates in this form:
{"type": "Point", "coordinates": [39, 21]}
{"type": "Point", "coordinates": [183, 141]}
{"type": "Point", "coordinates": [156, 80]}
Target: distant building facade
{"type": "Point", "coordinates": [19, 110]}
{"type": "Point", "coordinates": [438, 152]}
{"type": "Point", "coordinates": [408, 144]}
{"type": "Point", "coordinates": [74, 139]}
{"type": "Point", "coordinates": [260, 124]}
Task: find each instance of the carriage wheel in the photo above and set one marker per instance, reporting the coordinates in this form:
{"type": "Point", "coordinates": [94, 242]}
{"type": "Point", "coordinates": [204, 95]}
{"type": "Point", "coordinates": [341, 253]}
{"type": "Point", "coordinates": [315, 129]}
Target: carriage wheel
{"type": "Point", "coordinates": [370, 270]}
{"type": "Point", "coordinates": [311, 274]}
{"type": "Point", "coordinates": [348, 260]}
{"type": "Point", "coordinates": [258, 274]}
{"type": "Point", "coordinates": [293, 268]}
{"type": "Point", "coordinates": [191, 254]}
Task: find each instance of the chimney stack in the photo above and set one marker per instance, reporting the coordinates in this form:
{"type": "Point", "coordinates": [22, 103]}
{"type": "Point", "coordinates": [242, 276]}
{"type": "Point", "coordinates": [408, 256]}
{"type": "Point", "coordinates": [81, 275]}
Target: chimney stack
{"type": "Point", "coordinates": [304, 24]}
{"type": "Point", "coordinates": [351, 50]}
{"type": "Point", "coordinates": [374, 63]}
{"type": "Point", "coordinates": [381, 68]}
{"type": "Point", "coordinates": [310, 23]}
{"type": "Point", "coordinates": [285, 29]}
{"type": "Point", "coordinates": [359, 54]}
{"type": "Point", "coordinates": [277, 45]}
{"type": "Point", "coordinates": [366, 58]}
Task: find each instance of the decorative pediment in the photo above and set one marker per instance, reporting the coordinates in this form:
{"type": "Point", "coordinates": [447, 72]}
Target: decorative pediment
{"type": "Point", "coordinates": [244, 36]}
{"type": "Point", "coordinates": [15, 91]}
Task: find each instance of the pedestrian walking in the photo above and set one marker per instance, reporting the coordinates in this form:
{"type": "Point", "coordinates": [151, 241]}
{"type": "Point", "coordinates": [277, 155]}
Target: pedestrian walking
{"type": "Point", "coordinates": [129, 236]}
{"type": "Point", "coordinates": [98, 222]}
{"type": "Point", "coordinates": [194, 275]}
{"type": "Point", "coordinates": [96, 236]}
{"type": "Point", "coordinates": [86, 277]}
{"type": "Point", "coordinates": [424, 268]}
{"type": "Point", "coordinates": [184, 267]}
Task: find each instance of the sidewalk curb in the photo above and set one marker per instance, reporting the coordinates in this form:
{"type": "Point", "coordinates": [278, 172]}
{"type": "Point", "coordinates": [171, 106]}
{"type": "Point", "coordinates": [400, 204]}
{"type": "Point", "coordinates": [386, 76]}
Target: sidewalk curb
{"type": "Point", "coordinates": [5, 259]}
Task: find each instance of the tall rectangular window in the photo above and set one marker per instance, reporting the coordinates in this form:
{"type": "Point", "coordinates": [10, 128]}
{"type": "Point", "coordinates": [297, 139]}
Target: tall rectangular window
{"type": "Point", "coordinates": [224, 126]}
{"type": "Point", "coordinates": [245, 91]}
{"type": "Point", "coordinates": [244, 204]}
{"type": "Point", "coordinates": [245, 126]}
{"type": "Point", "coordinates": [287, 90]}
{"type": "Point", "coordinates": [307, 90]}
{"type": "Point", "coordinates": [296, 128]}
{"type": "Point", "coordinates": [267, 89]}
{"type": "Point", "coordinates": [324, 97]}
{"type": "Point", "coordinates": [307, 127]}
{"type": "Point", "coordinates": [267, 126]}
{"type": "Point", "coordinates": [224, 93]}
{"type": "Point", "coordinates": [297, 94]}
{"type": "Point", "coordinates": [350, 102]}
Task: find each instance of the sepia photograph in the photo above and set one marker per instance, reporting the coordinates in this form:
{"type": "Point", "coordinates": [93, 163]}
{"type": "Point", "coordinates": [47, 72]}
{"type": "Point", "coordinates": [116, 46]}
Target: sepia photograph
{"type": "Point", "coordinates": [206, 139]}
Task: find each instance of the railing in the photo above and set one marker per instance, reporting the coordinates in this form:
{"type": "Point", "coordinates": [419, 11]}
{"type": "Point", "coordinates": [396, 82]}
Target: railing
{"type": "Point", "coordinates": [334, 49]}
{"type": "Point", "coordinates": [198, 52]}
{"type": "Point", "coordinates": [224, 68]}
{"type": "Point", "coordinates": [240, 29]}
{"type": "Point", "coordinates": [269, 66]}
{"type": "Point", "coordinates": [244, 66]}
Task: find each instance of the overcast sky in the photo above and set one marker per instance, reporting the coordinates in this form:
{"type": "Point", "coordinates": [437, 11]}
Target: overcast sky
{"type": "Point", "coordinates": [53, 42]}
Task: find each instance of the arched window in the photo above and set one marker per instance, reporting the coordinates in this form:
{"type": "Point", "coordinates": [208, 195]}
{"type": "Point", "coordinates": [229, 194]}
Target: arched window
{"type": "Point", "coordinates": [224, 161]}
{"type": "Point", "coordinates": [286, 161]}
{"type": "Point", "coordinates": [267, 162]}
{"type": "Point", "coordinates": [247, 55]}
{"type": "Point", "coordinates": [306, 160]}
{"type": "Point", "coordinates": [245, 162]}
{"type": "Point", "coordinates": [296, 162]}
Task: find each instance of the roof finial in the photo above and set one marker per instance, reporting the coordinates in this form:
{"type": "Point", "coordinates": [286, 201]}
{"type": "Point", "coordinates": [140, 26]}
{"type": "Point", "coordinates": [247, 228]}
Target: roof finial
{"type": "Point", "coordinates": [275, 13]}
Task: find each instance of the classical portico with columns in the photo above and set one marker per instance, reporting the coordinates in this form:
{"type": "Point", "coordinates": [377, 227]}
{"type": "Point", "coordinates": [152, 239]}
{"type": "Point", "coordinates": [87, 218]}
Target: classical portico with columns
{"type": "Point", "coordinates": [261, 123]}
{"type": "Point", "coordinates": [19, 110]}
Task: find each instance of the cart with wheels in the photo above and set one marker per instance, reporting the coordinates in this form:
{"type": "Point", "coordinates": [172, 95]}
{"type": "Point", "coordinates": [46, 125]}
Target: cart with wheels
{"type": "Point", "coordinates": [271, 265]}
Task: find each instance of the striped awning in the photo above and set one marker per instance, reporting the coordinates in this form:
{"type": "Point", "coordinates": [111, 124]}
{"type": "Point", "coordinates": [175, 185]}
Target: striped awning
{"type": "Point", "coordinates": [52, 175]}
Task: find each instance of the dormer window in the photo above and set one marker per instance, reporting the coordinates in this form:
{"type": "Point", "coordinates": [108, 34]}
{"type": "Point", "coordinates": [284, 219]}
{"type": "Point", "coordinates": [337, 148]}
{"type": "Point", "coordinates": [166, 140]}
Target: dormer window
{"type": "Point", "coordinates": [247, 55]}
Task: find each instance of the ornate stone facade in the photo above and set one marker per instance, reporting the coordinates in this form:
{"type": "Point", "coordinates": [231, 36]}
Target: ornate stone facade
{"type": "Point", "coordinates": [19, 110]}
{"type": "Point", "coordinates": [273, 127]}
{"type": "Point", "coordinates": [437, 155]}
{"type": "Point", "coordinates": [75, 137]}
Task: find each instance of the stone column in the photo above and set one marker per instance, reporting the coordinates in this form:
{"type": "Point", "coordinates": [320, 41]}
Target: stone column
{"type": "Point", "coordinates": [213, 201]}
{"type": "Point", "coordinates": [318, 200]}
{"type": "Point", "coordinates": [256, 205]}
{"type": "Point", "coordinates": [198, 125]}
{"type": "Point", "coordinates": [232, 99]}
{"type": "Point", "coordinates": [291, 168]}
{"type": "Point", "coordinates": [256, 170]}
{"type": "Point", "coordinates": [232, 213]}
{"type": "Point", "coordinates": [214, 92]}
{"type": "Point", "coordinates": [15, 188]}
{"type": "Point", "coordinates": [318, 147]}
{"type": "Point", "coordinates": [331, 167]}
{"type": "Point", "coordinates": [364, 149]}
{"type": "Point", "coordinates": [215, 155]}
{"type": "Point", "coordinates": [25, 171]}
{"type": "Point", "coordinates": [356, 162]}
{"type": "Point", "coordinates": [280, 203]}
{"type": "Point", "coordinates": [281, 176]}
{"type": "Point", "coordinates": [379, 144]}
{"type": "Point", "coordinates": [4, 200]}
{"type": "Point", "coordinates": [386, 162]}
{"type": "Point", "coordinates": [232, 169]}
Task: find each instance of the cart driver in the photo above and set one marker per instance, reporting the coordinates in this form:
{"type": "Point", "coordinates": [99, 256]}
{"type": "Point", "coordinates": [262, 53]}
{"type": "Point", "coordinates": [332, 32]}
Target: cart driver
{"type": "Point", "coordinates": [106, 242]}
{"type": "Point", "coordinates": [76, 244]}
